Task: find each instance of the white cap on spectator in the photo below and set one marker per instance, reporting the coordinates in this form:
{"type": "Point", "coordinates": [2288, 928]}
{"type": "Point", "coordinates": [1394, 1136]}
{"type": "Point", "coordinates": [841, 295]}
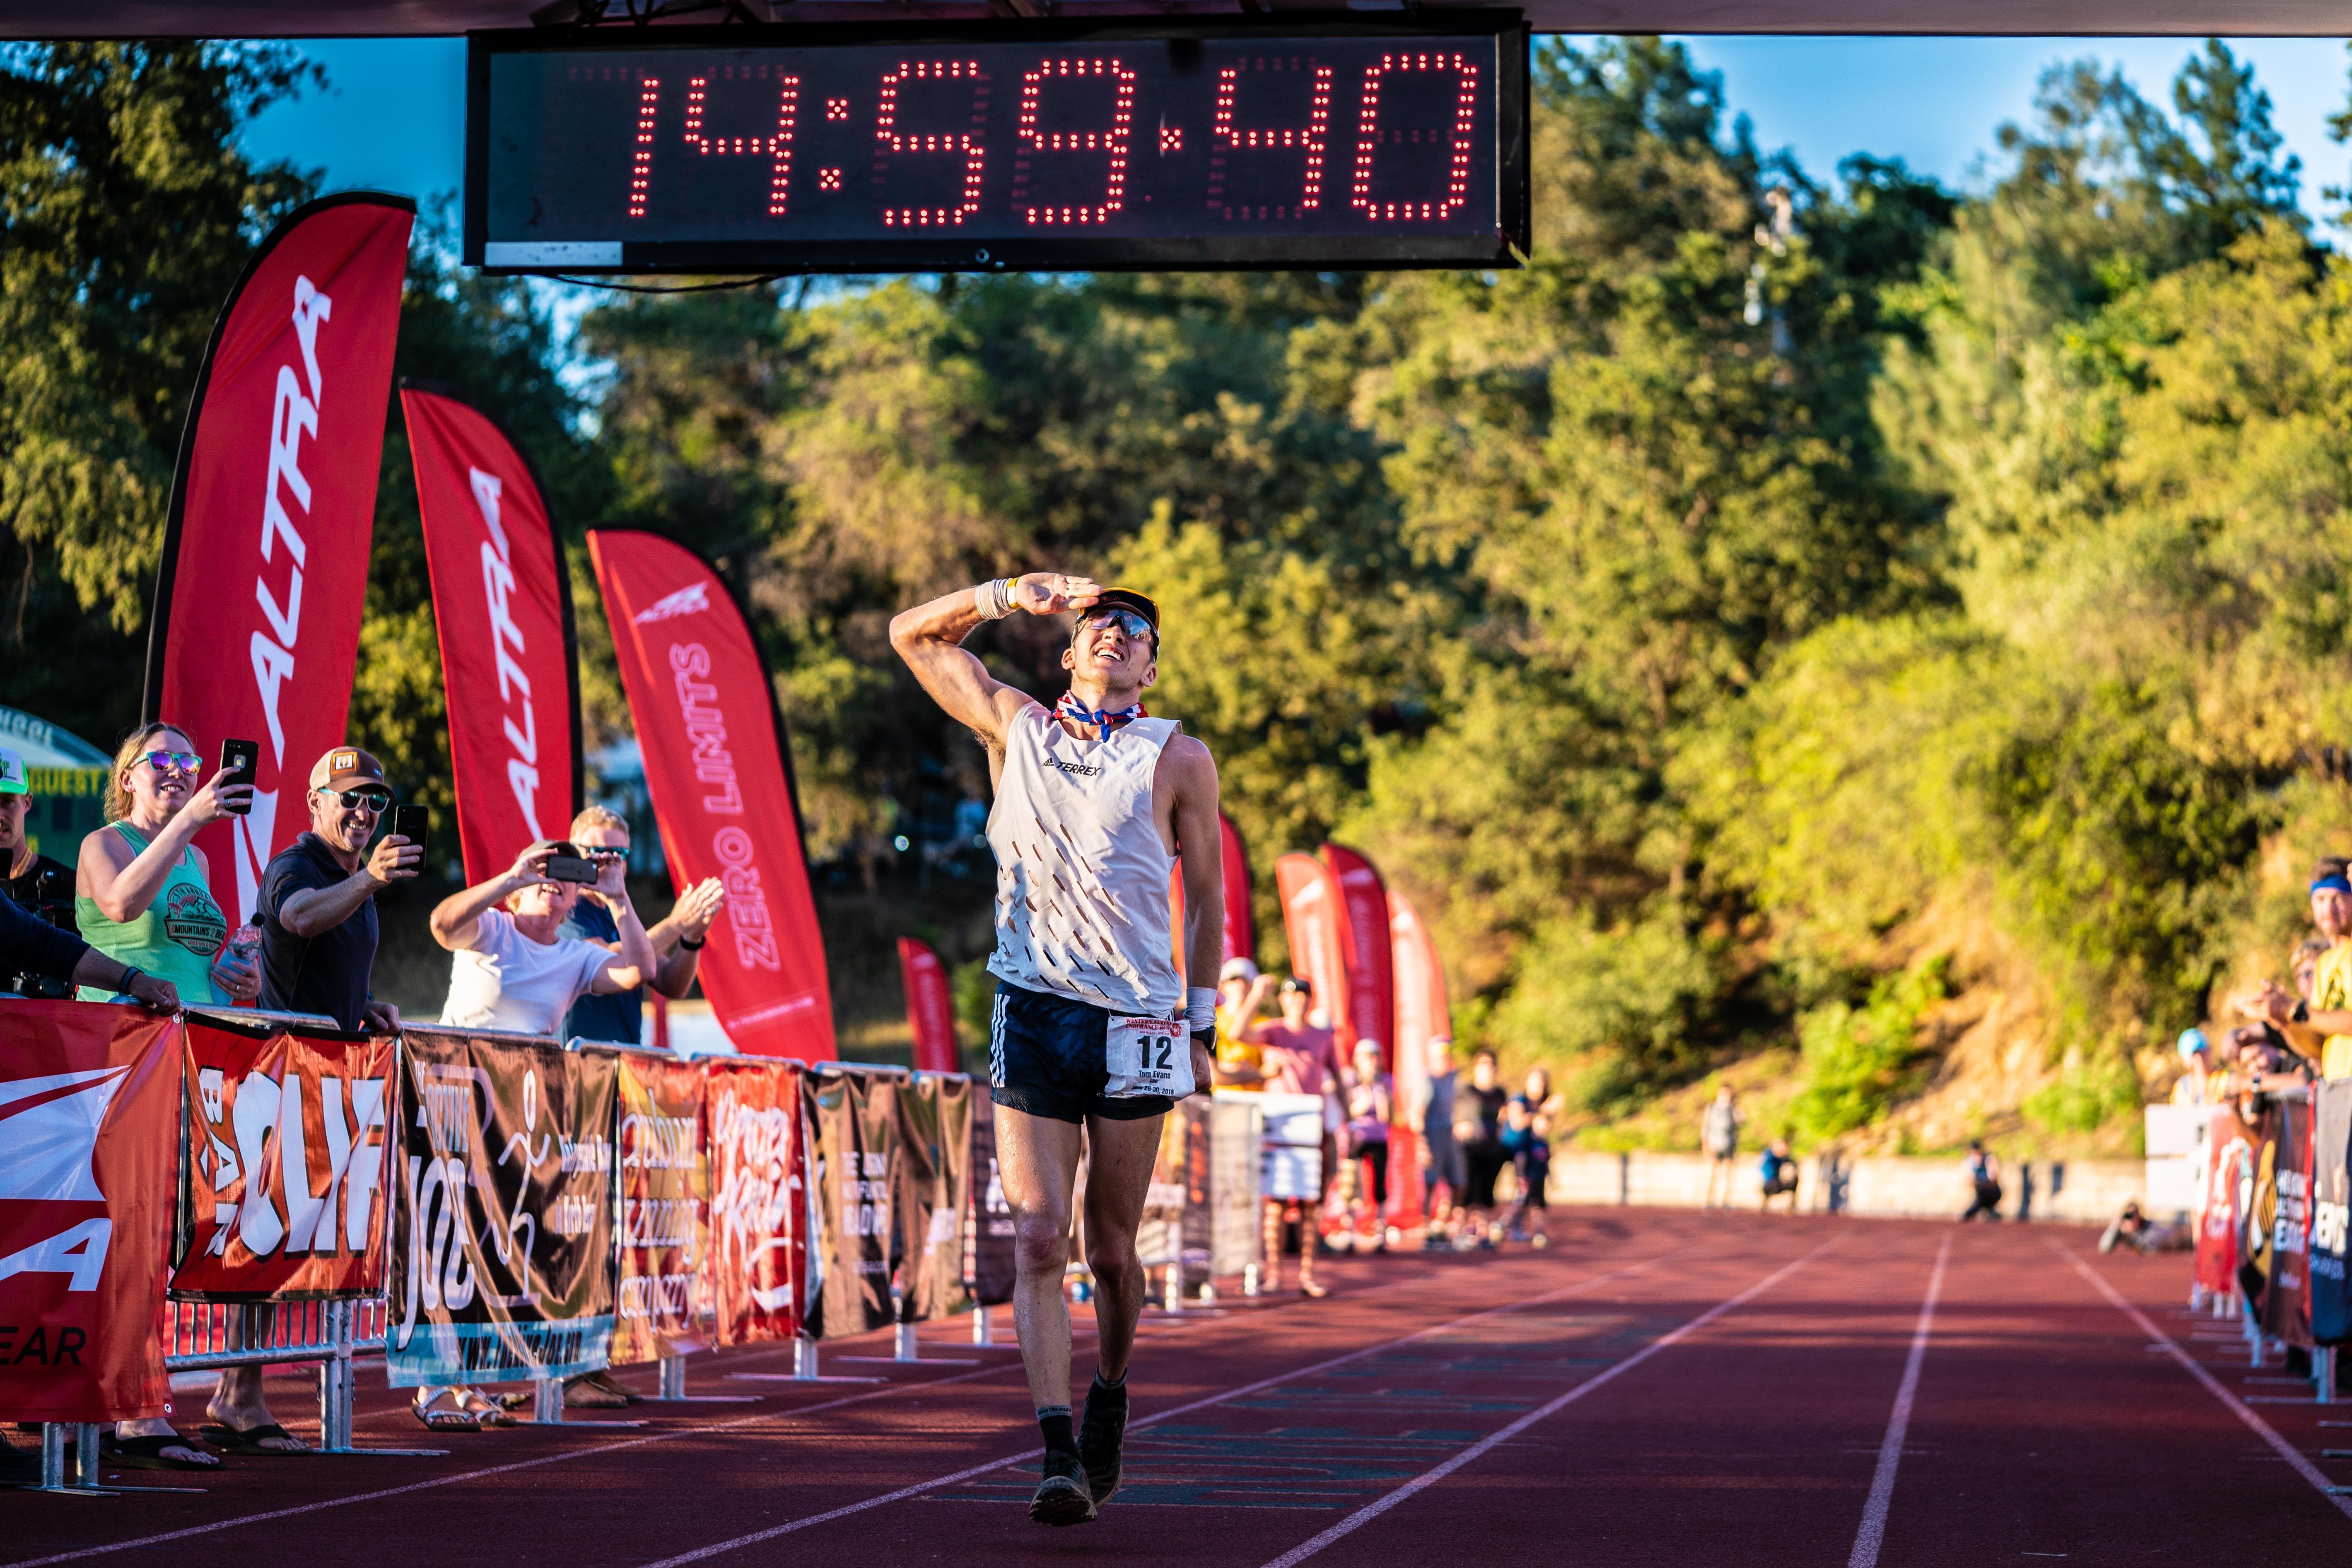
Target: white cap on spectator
{"type": "Point", "coordinates": [1240, 969]}
{"type": "Point", "coordinates": [12, 774]}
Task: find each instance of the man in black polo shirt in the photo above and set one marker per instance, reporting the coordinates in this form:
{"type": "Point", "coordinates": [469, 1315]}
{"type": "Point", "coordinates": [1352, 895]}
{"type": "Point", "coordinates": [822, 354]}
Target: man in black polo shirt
{"type": "Point", "coordinates": [317, 898]}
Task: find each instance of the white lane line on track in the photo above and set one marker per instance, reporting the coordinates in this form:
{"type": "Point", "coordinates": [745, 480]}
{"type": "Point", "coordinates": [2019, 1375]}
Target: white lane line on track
{"type": "Point", "coordinates": [1379, 1505]}
{"type": "Point", "coordinates": [936, 1482]}
{"type": "Point", "coordinates": [2260, 1428]}
{"type": "Point", "coordinates": [1898, 1425]}
{"type": "Point", "coordinates": [600, 1449]}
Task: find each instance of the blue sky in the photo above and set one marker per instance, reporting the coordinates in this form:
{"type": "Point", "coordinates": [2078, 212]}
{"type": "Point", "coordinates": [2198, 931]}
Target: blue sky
{"type": "Point", "coordinates": [394, 119]}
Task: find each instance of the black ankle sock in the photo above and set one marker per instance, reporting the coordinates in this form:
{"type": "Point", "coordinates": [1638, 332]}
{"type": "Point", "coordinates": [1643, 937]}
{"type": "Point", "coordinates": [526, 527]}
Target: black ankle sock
{"type": "Point", "coordinates": [1054, 1421]}
{"type": "Point", "coordinates": [1111, 1392]}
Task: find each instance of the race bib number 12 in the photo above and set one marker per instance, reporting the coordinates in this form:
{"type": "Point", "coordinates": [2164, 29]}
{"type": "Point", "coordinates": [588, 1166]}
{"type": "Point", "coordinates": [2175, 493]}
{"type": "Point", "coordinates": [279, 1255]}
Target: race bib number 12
{"type": "Point", "coordinates": [1148, 1056]}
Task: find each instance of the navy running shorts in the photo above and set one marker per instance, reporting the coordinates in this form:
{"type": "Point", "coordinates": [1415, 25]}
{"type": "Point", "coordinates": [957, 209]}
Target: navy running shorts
{"type": "Point", "coordinates": [1045, 1059]}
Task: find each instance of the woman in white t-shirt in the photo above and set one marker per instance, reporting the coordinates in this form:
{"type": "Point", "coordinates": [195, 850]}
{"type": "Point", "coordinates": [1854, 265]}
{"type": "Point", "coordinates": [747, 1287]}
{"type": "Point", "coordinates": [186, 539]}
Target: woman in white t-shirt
{"type": "Point", "coordinates": [511, 969]}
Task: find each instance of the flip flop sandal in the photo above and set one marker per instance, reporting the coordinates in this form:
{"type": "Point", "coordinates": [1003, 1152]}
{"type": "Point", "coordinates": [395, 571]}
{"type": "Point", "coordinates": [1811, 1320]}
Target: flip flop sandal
{"type": "Point", "coordinates": [486, 1412]}
{"type": "Point", "coordinates": [147, 1453]}
{"type": "Point", "coordinates": [439, 1417]}
{"type": "Point", "coordinates": [231, 1440]}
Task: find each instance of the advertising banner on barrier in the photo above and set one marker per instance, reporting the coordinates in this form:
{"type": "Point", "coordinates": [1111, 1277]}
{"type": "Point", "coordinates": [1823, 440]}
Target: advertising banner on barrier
{"type": "Point", "coordinates": [2229, 1171]}
{"type": "Point", "coordinates": [931, 1010]}
{"type": "Point", "coordinates": [661, 1304]}
{"type": "Point", "coordinates": [2283, 1192]}
{"type": "Point", "coordinates": [90, 1133]}
{"type": "Point", "coordinates": [852, 1136]}
{"type": "Point", "coordinates": [255, 627]}
{"type": "Point", "coordinates": [1240, 918]}
{"type": "Point", "coordinates": [279, 1198]}
{"type": "Point", "coordinates": [935, 1160]}
{"type": "Point", "coordinates": [2257, 1203]}
{"type": "Point", "coordinates": [751, 1117]}
{"type": "Point", "coordinates": [502, 608]}
{"type": "Point", "coordinates": [1421, 1016]}
{"type": "Point", "coordinates": [1221, 1169]}
{"type": "Point", "coordinates": [720, 772]}
{"type": "Point", "coordinates": [989, 1236]}
{"type": "Point", "coordinates": [2331, 1206]}
{"type": "Point", "coordinates": [503, 1248]}
{"type": "Point", "coordinates": [1310, 916]}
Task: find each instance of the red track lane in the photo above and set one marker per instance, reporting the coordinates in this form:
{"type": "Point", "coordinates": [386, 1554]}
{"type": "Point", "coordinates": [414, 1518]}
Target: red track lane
{"type": "Point", "coordinates": [1430, 1410]}
{"type": "Point", "coordinates": [2048, 1431]}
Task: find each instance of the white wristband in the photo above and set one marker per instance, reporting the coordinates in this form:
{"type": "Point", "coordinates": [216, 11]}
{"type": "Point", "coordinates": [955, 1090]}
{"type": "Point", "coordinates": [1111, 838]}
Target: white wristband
{"type": "Point", "coordinates": [992, 601]}
{"type": "Point", "coordinates": [1199, 1008]}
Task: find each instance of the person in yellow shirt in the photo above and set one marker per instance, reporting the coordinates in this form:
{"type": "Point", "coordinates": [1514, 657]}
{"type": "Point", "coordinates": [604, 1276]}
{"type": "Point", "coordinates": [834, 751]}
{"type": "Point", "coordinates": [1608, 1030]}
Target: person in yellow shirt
{"type": "Point", "coordinates": [1240, 996]}
{"type": "Point", "coordinates": [2319, 1025]}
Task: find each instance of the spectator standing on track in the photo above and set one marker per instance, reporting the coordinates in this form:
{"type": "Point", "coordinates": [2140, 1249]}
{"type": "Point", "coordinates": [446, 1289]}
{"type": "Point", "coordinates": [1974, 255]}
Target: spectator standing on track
{"type": "Point", "coordinates": [1526, 1135]}
{"type": "Point", "coordinates": [603, 836]}
{"type": "Point", "coordinates": [1442, 1177]}
{"type": "Point", "coordinates": [1296, 1058]}
{"type": "Point", "coordinates": [1718, 1137]}
{"type": "Point", "coordinates": [1097, 805]}
{"type": "Point", "coordinates": [1779, 1170]}
{"type": "Point", "coordinates": [316, 904]}
{"type": "Point", "coordinates": [1312, 1051]}
{"type": "Point", "coordinates": [1479, 1128]}
{"type": "Point", "coordinates": [1372, 1106]}
{"type": "Point", "coordinates": [142, 888]}
{"type": "Point", "coordinates": [143, 896]}
{"type": "Point", "coordinates": [1984, 1182]}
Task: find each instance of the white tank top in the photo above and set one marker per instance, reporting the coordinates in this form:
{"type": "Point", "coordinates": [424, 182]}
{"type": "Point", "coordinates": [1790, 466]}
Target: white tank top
{"type": "Point", "coordinates": [1081, 871]}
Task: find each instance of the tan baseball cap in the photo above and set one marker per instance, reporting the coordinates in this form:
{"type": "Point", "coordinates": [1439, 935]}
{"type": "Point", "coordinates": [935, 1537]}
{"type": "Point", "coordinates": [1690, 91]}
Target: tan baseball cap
{"type": "Point", "coordinates": [345, 766]}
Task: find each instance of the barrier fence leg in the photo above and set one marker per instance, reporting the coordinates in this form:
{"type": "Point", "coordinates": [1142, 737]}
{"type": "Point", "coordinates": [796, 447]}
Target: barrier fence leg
{"type": "Point", "coordinates": [670, 1372]}
{"type": "Point", "coordinates": [983, 1333]}
{"type": "Point", "coordinates": [1250, 1286]}
{"type": "Point", "coordinates": [804, 1360]}
{"type": "Point", "coordinates": [547, 1401]}
{"type": "Point", "coordinates": [1174, 1296]}
{"type": "Point", "coordinates": [86, 1454]}
{"type": "Point", "coordinates": [905, 1349]}
{"type": "Point", "coordinates": [53, 1456]}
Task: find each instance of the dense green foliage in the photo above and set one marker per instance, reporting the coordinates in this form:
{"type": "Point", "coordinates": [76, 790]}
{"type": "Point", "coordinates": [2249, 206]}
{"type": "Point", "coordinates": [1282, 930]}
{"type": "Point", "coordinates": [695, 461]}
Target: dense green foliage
{"type": "Point", "coordinates": [1685, 618]}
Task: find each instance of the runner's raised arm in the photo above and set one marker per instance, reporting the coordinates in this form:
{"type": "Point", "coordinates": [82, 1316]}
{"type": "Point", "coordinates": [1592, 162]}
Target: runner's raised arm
{"type": "Point", "coordinates": [930, 638]}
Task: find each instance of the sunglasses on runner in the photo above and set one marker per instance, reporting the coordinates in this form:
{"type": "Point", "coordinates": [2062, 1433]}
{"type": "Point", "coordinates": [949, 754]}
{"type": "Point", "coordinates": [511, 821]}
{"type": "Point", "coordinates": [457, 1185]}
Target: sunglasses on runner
{"type": "Point", "coordinates": [376, 800]}
{"type": "Point", "coordinates": [1137, 628]}
{"type": "Point", "coordinates": [603, 852]}
{"type": "Point", "coordinates": [174, 761]}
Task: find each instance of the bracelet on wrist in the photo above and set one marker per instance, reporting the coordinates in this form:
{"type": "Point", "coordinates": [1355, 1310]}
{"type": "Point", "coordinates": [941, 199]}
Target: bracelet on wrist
{"type": "Point", "coordinates": [693, 945]}
{"type": "Point", "coordinates": [993, 600]}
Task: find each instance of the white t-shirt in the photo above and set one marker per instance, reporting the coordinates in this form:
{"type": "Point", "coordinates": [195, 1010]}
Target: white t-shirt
{"type": "Point", "coordinates": [507, 981]}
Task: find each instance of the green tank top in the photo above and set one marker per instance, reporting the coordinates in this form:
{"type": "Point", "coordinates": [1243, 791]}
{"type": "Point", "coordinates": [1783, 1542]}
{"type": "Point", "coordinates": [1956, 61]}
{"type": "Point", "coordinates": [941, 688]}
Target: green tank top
{"type": "Point", "coordinates": [176, 939]}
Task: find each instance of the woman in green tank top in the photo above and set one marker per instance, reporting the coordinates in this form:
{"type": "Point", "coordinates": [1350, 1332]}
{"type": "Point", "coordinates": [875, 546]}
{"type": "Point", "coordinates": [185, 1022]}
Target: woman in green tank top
{"type": "Point", "coordinates": [143, 889]}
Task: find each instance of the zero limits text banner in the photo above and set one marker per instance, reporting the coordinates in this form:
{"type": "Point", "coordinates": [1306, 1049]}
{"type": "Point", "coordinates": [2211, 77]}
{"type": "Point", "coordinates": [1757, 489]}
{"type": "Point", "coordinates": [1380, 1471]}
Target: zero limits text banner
{"type": "Point", "coordinates": [719, 774]}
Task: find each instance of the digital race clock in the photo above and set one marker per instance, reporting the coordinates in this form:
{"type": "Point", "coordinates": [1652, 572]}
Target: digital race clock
{"type": "Point", "coordinates": [1034, 145]}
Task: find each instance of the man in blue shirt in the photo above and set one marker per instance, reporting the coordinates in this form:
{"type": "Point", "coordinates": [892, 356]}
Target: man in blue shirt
{"type": "Point", "coordinates": [678, 940]}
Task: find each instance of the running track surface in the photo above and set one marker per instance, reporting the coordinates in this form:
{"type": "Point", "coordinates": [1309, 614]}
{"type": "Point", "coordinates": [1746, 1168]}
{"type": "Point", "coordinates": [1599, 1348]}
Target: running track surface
{"type": "Point", "coordinates": [1661, 1387]}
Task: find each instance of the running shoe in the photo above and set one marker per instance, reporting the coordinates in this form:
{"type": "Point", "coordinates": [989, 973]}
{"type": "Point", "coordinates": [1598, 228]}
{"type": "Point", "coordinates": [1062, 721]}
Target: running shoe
{"type": "Point", "coordinates": [1062, 1497]}
{"type": "Point", "coordinates": [1102, 1434]}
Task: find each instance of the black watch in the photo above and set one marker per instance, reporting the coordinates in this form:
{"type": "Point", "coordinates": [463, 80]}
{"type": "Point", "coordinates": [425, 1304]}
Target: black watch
{"type": "Point", "coordinates": [693, 946]}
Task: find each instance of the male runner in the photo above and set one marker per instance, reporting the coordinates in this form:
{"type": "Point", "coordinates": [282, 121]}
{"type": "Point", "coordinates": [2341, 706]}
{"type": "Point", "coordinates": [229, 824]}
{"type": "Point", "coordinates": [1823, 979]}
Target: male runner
{"type": "Point", "coordinates": [1092, 1025]}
